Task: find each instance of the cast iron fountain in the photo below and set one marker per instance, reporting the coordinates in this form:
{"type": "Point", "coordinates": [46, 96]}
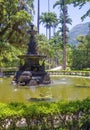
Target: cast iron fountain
{"type": "Point", "coordinates": [32, 71]}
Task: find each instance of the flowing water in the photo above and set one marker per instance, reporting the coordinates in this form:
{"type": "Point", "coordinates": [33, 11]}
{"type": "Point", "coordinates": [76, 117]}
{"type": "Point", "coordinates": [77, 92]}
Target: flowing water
{"type": "Point", "coordinates": [61, 88]}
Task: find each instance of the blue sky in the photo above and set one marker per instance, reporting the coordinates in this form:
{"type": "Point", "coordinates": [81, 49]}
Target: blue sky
{"type": "Point", "coordinates": [74, 13]}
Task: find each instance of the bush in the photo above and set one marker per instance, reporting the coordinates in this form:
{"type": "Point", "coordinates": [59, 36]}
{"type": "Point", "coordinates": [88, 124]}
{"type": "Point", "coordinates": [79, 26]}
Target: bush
{"type": "Point", "coordinates": [73, 115]}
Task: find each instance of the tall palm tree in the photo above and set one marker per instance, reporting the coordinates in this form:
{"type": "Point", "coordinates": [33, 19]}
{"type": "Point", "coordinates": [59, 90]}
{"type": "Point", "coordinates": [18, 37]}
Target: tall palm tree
{"type": "Point", "coordinates": [48, 19]}
{"type": "Point", "coordinates": [38, 18]}
{"type": "Point", "coordinates": [48, 5]}
{"type": "Point", "coordinates": [63, 20]}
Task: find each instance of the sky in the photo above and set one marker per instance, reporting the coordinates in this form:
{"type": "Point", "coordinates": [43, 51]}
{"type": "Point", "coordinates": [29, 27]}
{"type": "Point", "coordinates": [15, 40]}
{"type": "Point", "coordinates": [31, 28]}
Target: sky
{"type": "Point", "coordinates": [74, 13]}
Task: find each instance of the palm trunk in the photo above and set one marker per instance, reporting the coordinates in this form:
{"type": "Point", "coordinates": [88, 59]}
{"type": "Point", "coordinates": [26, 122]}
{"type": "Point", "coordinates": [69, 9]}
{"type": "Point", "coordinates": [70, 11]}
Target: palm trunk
{"type": "Point", "coordinates": [53, 30]}
{"type": "Point", "coordinates": [48, 5]}
{"type": "Point", "coordinates": [38, 15]}
{"type": "Point", "coordinates": [46, 32]}
{"type": "Point", "coordinates": [49, 32]}
{"type": "Point", "coordinates": [64, 38]}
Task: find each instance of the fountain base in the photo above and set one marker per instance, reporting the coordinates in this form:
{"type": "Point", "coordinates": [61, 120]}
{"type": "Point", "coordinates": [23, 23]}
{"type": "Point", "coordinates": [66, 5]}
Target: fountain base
{"type": "Point", "coordinates": [32, 72]}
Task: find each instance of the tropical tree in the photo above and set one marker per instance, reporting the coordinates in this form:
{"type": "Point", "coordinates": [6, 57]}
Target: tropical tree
{"type": "Point", "coordinates": [79, 1]}
{"type": "Point", "coordinates": [56, 44]}
{"type": "Point", "coordinates": [38, 18]}
{"type": "Point", "coordinates": [81, 53]}
{"type": "Point", "coordinates": [45, 48]}
{"type": "Point", "coordinates": [42, 44]}
{"type": "Point", "coordinates": [63, 20]}
{"type": "Point", "coordinates": [80, 4]}
{"type": "Point", "coordinates": [48, 19]}
{"type": "Point", "coordinates": [15, 17]}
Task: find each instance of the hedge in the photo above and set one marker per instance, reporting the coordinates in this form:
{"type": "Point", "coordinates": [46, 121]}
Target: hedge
{"type": "Point", "coordinates": [62, 115]}
{"type": "Point", "coordinates": [71, 72]}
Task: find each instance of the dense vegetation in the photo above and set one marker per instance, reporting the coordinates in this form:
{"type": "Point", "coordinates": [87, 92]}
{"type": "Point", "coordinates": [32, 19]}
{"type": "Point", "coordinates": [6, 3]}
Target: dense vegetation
{"type": "Point", "coordinates": [73, 115]}
{"type": "Point", "coordinates": [14, 19]}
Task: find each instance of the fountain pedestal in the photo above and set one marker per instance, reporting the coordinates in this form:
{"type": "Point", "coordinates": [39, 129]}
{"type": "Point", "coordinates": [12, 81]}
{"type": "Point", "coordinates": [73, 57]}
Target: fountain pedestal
{"type": "Point", "coordinates": [32, 71]}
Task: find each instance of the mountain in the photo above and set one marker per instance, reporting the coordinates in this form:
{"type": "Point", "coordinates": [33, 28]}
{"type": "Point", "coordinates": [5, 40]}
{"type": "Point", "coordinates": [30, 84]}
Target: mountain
{"type": "Point", "coordinates": [80, 29]}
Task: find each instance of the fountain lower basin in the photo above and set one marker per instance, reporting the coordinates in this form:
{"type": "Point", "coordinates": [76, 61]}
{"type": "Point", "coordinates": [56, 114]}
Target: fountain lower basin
{"type": "Point", "coordinates": [61, 88]}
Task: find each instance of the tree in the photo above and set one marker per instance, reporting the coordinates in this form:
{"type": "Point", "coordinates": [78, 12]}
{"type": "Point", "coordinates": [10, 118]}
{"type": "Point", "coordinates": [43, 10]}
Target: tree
{"type": "Point", "coordinates": [15, 17]}
{"type": "Point", "coordinates": [80, 4]}
{"type": "Point", "coordinates": [56, 44]}
{"type": "Point", "coordinates": [44, 48]}
{"type": "Point", "coordinates": [48, 19]}
{"type": "Point", "coordinates": [63, 19]}
{"type": "Point", "coordinates": [81, 54]}
{"type": "Point", "coordinates": [9, 54]}
{"type": "Point", "coordinates": [38, 17]}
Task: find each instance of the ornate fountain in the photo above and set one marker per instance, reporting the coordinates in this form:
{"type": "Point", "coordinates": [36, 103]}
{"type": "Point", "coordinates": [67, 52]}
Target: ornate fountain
{"type": "Point", "coordinates": [32, 71]}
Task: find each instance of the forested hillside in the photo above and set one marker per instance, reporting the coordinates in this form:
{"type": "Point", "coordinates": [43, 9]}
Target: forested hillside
{"type": "Point", "coordinates": [78, 30]}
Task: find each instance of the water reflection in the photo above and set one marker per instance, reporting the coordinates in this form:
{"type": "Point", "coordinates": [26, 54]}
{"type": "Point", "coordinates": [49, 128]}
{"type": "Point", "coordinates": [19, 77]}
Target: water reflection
{"type": "Point", "coordinates": [1, 80]}
{"type": "Point", "coordinates": [60, 88]}
{"type": "Point", "coordinates": [15, 89]}
{"type": "Point", "coordinates": [65, 81]}
{"type": "Point", "coordinates": [43, 93]}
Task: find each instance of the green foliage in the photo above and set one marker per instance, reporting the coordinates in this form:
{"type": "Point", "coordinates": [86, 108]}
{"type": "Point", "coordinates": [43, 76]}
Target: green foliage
{"type": "Point", "coordinates": [81, 54]}
{"type": "Point", "coordinates": [20, 17]}
{"type": "Point", "coordinates": [49, 20]}
{"type": "Point", "coordinates": [9, 54]}
{"type": "Point", "coordinates": [80, 4]}
{"type": "Point", "coordinates": [49, 48]}
{"type": "Point", "coordinates": [60, 115]}
{"type": "Point", "coordinates": [14, 21]}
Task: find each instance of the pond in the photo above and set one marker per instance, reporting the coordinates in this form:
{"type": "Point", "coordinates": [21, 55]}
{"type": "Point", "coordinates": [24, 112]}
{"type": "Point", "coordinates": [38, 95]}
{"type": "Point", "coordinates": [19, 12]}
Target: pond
{"type": "Point", "coordinates": [61, 88]}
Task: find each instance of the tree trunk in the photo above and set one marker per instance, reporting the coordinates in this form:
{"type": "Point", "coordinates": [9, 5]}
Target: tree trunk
{"type": "Point", "coordinates": [46, 32]}
{"type": "Point", "coordinates": [64, 38]}
{"type": "Point", "coordinates": [38, 16]}
{"type": "Point", "coordinates": [49, 32]}
{"type": "Point", "coordinates": [48, 5]}
{"type": "Point", "coordinates": [54, 30]}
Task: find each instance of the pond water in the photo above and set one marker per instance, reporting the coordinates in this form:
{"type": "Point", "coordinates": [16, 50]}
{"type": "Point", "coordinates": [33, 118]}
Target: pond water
{"type": "Point", "coordinates": [61, 88]}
